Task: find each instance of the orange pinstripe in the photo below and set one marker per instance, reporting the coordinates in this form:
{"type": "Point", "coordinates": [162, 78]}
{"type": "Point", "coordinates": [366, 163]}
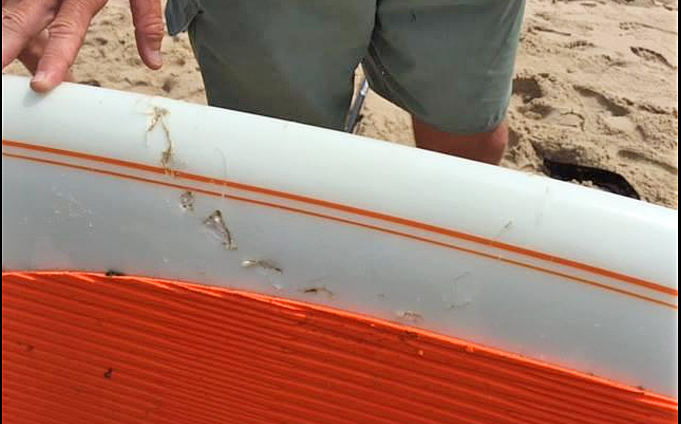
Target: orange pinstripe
{"type": "Point", "coordinates": [414, 224]}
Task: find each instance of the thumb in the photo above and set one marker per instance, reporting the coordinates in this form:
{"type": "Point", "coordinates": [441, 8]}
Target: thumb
{"type": "Point", "coordinates": [149, 30]}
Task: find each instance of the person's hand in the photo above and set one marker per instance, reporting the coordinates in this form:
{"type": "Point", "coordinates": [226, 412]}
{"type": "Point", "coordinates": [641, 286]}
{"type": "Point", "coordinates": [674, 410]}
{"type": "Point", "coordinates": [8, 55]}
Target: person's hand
{"type": "Point", "coordinates": [66, 22]}
{"type": "Point", "coordinates": [30, 56]}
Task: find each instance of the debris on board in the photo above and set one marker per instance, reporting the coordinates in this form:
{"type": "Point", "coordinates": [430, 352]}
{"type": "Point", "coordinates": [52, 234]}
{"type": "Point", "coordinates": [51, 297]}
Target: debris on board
{"type": "Point", "coordinates": [158, 116]}
{"type": "Point", "coordinates": [266, 266]}
{"type": "Point", "coordinates": [187, 201]}
{"type": "Point", "coordinates": [218, 226]}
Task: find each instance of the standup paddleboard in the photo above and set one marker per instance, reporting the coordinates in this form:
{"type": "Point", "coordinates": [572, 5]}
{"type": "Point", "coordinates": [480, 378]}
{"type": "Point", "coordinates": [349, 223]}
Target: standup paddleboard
{"type": "Point", "coordinates": [171, 262]}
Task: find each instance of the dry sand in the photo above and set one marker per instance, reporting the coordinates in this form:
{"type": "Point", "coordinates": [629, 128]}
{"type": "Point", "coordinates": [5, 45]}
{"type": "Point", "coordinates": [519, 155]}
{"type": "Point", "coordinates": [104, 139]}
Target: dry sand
{"type": "Point", "coordinates": [596, 85]}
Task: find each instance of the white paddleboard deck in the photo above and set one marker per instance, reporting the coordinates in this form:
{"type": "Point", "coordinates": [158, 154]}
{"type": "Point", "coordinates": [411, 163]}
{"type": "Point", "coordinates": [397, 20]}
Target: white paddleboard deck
{"type": "Point", "coordinates": [99, 180]}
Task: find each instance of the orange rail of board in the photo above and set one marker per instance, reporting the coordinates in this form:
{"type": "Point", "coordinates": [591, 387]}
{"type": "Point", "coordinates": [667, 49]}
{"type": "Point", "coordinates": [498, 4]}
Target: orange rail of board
{"type": "Point", "coordinates": [88, 348]}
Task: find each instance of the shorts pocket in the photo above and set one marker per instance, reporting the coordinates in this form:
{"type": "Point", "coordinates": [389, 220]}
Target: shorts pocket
{"type": "Point", "coordinates": [180, 14]}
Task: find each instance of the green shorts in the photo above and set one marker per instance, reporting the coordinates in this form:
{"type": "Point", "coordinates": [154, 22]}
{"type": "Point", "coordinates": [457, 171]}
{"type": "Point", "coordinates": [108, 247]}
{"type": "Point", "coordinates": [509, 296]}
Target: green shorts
{"type": "Point", "coordinates": [448, 62]}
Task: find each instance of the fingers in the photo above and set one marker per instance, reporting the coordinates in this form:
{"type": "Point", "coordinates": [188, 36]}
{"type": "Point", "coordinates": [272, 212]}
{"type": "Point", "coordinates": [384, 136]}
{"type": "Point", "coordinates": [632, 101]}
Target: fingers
{"type": "Point", "coordinates": [21, 22]}
{"type": "Point", "coordinates": [149, 30]}
{"type": "Point", "coordinates": [33, 51]}
{"type": "Point", "coordinates": [67, 33]}
{"type": "Point", "coordinates": [30, 56]}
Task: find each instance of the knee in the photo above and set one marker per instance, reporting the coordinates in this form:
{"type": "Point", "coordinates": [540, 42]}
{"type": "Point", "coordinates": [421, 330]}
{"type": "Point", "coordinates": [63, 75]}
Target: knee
{"type": "Point", "coordinates": [496, 139]}
{"type": "Point", "coordinates": [488, 147]}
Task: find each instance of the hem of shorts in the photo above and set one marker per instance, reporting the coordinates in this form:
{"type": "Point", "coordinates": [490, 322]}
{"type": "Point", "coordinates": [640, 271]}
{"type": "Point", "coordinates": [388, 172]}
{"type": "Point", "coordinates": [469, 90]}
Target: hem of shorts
{"type": "Point", "coordinates": [468, 130]}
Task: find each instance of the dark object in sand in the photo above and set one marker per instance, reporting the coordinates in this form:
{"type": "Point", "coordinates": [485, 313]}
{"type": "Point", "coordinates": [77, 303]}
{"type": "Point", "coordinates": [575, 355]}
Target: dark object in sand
{"type": "Point", "coordinates": [601, 178]}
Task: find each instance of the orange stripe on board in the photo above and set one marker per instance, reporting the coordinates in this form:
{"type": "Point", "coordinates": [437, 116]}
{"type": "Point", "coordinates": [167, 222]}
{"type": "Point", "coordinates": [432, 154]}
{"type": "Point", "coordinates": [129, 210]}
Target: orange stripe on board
{"type": "Point", "coordinates": [354, 223]}
{"type": "Point", "coordinates": [86, 348]}
{"type": "Point", "coordinates": [370, 214]}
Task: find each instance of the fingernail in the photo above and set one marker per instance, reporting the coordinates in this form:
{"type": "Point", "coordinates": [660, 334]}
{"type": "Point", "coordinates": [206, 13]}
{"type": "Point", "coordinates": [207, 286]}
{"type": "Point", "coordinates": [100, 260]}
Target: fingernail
{"type": "Point", "coordinates": [156, 58]}
{"type": "Point", "coordinates": [40, 76]}
{"type": "Point", "coordinates": [39, 79]}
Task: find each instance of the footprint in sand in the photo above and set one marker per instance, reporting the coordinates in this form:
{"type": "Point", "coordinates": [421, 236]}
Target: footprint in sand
{"type": "Point", "coordinates": [529, 89]}
{"type": "Point", "coordinates": [566, 118]}
{"type": "Point", "coordinates": [594, 100]}
{"type": "Point", "coordinates": [652, 56]}
{"type": "Point", "coordinates": [549, 30]}
{"type": "Point", "coordinates": [608, 113]}
{"type": "Point", "coordinates": [638, 156]}
{"type": "Point", "coordinates": [580, 45]}
{"type": "Point", "coordinates": [637, 3]}
{"type": "Point", "coordinates": [636, 26]}
{"type": "Point", "coordinates": [554, 116]}
{"type": "Point", "coordinates": [614, 116]}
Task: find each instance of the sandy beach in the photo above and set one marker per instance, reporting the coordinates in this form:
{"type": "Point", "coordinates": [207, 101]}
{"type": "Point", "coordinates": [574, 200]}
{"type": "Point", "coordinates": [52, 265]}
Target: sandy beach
{"type": "Point", "coordinates": [596, 85]}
